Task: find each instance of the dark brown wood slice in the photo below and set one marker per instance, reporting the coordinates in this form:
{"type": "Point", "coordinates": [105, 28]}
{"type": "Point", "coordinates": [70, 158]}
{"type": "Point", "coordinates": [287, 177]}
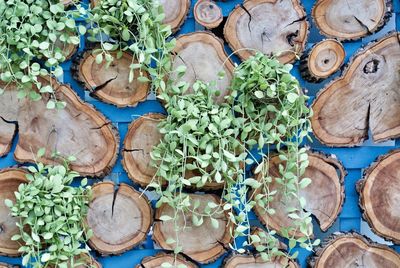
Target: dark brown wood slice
{"type": "Point", "coordinates": [324, 196]}
{"type": "Point", "coordinates": [175, 12]}
{"type": "Point", "coordinates": [322, 60]}
{"type": "Point", "coordinates": [159, 259]}
{"type": "Point", "coordinates": [271, 27]}
{"type": "Point", "coordinates": [111, 84]}
{"type": "Point", "coordinates": [208, 14]}
{"type": "Point", "coordinates": [120, 219]}
{"type": "Point", "coordinates": [204, 56]}
{"type": "Point", "coordinates": [142, 135]}
{"type": "Point", "coordinates": [365, 97]}
{"type": "Point", "coordinates": [255, 261]}
{"type": "Point", "coordinates": [351, 19]}
{"type": "Point", "coordinates": [378, 196]}
{"type": "Point", "coordinates": [10, 179]}
{"type": "Point", "coordinates": [203, 243]}
{"type": "Point", "coordinates": [353, 250]}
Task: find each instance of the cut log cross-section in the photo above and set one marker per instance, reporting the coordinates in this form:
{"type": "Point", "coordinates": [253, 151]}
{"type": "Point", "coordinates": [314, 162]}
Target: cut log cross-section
{"type": "Point", "coordinates": [324, 196]}
{"type": "Point", "coordinates": [365, 97]}
{"type": "Point", "coordinates": [322, 60]}
{"type": "Point", "coordinates": [175, 12]}
{"type": "Point", "coordinates": [379, 196]}
{"type": "Point", "coordinates": [120, 219]}
{"type": "Point", "coordinates": [10, 179]}
{"type": "Point", "coordinates": [208, 14]}
{"type": "Point", "coordinates": [250, 261]}
{"type": "Point", "coordinates": [158, 260]}
{"type": "Point", "coordinates": [353, 250]}
{"type": "Point", "coordinates": [203, 243]}
{"type": "Point", "coordinates": [111, 84]}
{"type": "Point", "coordinates": [351, 19]}
{"type": "Point", "coordinates": [268, 26]}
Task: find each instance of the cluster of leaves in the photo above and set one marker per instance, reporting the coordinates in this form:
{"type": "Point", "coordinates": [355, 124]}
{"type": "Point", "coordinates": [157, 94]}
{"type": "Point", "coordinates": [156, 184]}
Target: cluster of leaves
{"type": "Point", "coordinates": [51, 213]}
{"type": "Point", "coordinates": [33, 35]}
{"type": "Point", "coordinates": [133, 26]}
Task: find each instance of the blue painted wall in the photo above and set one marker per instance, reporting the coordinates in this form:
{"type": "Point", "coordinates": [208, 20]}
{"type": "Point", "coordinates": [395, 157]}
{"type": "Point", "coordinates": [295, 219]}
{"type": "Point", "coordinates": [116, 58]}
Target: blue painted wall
{"type": "Point", "coordinates": [354, 159]}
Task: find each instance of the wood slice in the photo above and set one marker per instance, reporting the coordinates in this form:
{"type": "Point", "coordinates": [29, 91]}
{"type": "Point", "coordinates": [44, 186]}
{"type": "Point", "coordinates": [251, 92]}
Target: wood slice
{"type": "Point", "coordinates": [10, 179]}
{"type": "Point", "coordinates": [88, 260]}
{"type": "Point", "coordinates": [204, 56]}
{"type": "Point", "coordinates": [351, 19]}
{"type": "Point", "coordinates": [6, 265]}
{"type": "Point", "coordinates": [159, 259]}
{"type": "Point", "coordinates": [208, 14]}
{"type": "Point", "coordinates": [111, 84]}
{"type": "Point", "coordinates": [251, 261]}
{"type": "Point", "coordinates": [204, 243]}
{"type": "Point", "coordinates": [77, 130]}
{"type": "Point", "coordinates": [120, 219]}
{"type": "Point", "coordinates": [7, 133]}
{"type": "Point", "coordinates": [378, 196]}
{"type": "Point", "coordinates": [353, 250]}
{"type": "Point", "coordinates": [322, 60]}
{"type": "Point", "coordinates": [365, 97]}
{"type": "Point", "coordinates": [268, 26]}
{"type": "Point", "coordinates": [175, 12]}
{"type": "Point", "coordinates": [142, 135]}
{"type": "Point", "coordinates": [324, 196]}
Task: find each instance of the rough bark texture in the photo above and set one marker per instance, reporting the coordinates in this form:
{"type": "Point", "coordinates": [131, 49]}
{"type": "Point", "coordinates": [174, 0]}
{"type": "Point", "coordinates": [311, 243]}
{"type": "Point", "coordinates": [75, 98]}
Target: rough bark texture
{"type": "Point", "coordinates": [204, 243]}
{"type": "Point", "coordinates": [120, 218]}
{"type": "Point", "coordinates": [379, 192]}
{"type": "Point", "coordinates": [204, 56]}
{"type": "Point", "coordinates": [255, 261]}
{"type": "Point", "coordinates": [111, 84]}
{"type": "Point", "coordinates": [10, 179]}
{"type": "Point", "coordinates": [351, 19]}
{"type": "Point", "coordinates": [175, 12]}
{"type": "Point", "coordinates": [208, 14]}
{"type": "Point", "coordinates": [365, 97]}
{"type": "Point", "coordinates": [269, 26]}
{"type": "Point", "coordinates": [322, 60]}
{"type": "Point", "coordinates": [159, 259]}
{"type": "Point", "coordinates": [77, 130]}
{"type": "Point", "coordinates": [353, 250]}
{"type": "Point", "coordinates": [142, 135]}
{"type": "Point", "coordinates": [324, 196]}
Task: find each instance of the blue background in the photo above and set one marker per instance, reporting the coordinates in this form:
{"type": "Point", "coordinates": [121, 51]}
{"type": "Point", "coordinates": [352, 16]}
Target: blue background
{"type": "Point", "coordinates": [354, 159]}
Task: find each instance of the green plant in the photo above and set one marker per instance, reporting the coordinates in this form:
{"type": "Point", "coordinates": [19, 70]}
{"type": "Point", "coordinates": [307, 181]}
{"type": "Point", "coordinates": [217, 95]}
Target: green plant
{"type": "Point", "coordinates": [30, 31]}
{"type": "Point", "coordinates": [51, 213]}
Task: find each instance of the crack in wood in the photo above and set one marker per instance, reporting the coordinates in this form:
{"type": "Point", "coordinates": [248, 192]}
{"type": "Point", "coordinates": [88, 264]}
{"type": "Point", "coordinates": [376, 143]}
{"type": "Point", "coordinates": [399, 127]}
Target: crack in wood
{"type": "Point", "coordinates": [362, 25]}
{"type": "Point", "coordinates": [100, 87]}
{"type": "Point", "coordinates": [250, 17]}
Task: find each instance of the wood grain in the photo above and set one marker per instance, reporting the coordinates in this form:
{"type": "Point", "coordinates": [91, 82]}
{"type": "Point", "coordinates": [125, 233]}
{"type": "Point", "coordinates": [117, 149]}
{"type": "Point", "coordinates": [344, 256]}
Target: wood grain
{"type": "Point", "coordinates": [255, 261]}
{"type": "Point", "coordinates": [159, 259]}
{"type": "Point", "coordinates": [175, 12]}
{"type": "Point", "coordinates": [208, 14]}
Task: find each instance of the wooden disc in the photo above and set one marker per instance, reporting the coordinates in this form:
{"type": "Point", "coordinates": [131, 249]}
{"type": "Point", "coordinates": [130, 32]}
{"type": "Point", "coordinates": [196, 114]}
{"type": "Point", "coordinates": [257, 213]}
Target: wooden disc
{"type": "Point", "coordinates": [351, 19]}
{"type": "Point", "coordinates": [322, 60]}
{"type": "Point", "coordinates": [378, 196]}
{"type": "Point", "coordinates": [208, 14]}
{"type": "Point", "coordinates": [111, 84]}
{"type": "Point", "coordinates": [268, 26]}
{"type": "Point", "coordinates": [353, 250]}
{"type": "Point", "coordinates": [204, 56]}
{"type": "Point", "coordinates": [204, 243]}
{"type": "Point", "coordinates": [10, 179]}
{"type": "Point", "coordinates": [324, 196]}
{"type": "Point", "coordinates": [365, 97]}
{"type": "Point", "coordinates": [120, 220]}
{"type": "Point", "coordinates": [175, 12]}
{"type": "Point", "coordinates": [251, 261]}
{"type": "Point", "coordinates": [159, 259]}
{"type": "Point", "coordinates": [142, 135]}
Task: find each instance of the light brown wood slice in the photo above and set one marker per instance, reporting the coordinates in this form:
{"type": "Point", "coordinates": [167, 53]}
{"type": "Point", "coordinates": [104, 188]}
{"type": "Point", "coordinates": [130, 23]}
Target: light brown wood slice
{"type": "Point", "coordinates": [142, 135]}
{"type": "Point", "coordinates": [268, 26]}
{"type": "Point", "coordinates": [159, 259]}
{"type": "Point", "coordinates": [351, 19]}
{"type": "Point", "coordinates": [322, 60]}
{"type": "Point", "coordinates": [111, 84]}
{"type": "Point", "coordinates": [204, 243]}
{"type": "Point", "coordinates": [353, 250]}
{"type": "Point", "coordinates": [379, 191]}
{"type": "Point", "coordinates": [120, 220]}
{"type": "Point", "coordinates": [10, 179]}
{"type": "Point", "coordinates": [175, 12]}
{"type": "Point", "coordinates": [365, 97]}
{"type": "Point", "coordinates": [204, 56]}
{"type": "Point", "coordinates": [251, 261]}
{"type": "Point", "coordinates": [324, 196]}
{"type": "Point", "coordinates": [208, 14]}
